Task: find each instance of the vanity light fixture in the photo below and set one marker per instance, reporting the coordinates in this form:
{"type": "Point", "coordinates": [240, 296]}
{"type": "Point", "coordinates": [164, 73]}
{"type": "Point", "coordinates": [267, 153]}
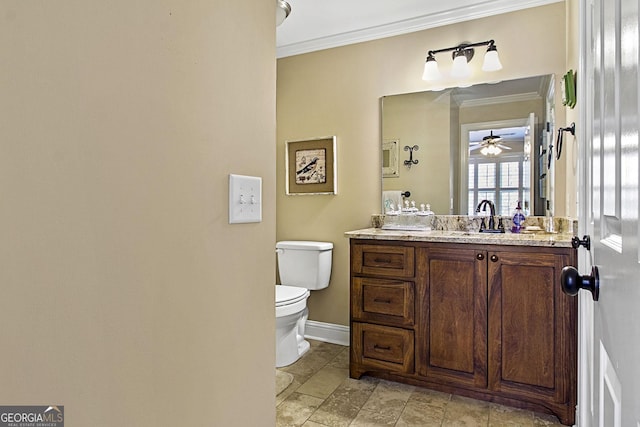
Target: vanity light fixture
{"type": "Point", "coordinates": [283, 9]}
{"type": "Point", "coordinates": [462, 54]}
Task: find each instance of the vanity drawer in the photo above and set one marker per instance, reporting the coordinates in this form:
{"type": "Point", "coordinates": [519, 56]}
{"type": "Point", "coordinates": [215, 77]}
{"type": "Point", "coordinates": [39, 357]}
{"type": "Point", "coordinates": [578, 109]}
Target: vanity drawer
{"type": "Point", "coordinates": [383, 260]}
{"type": "Point", "coordinates": [383, 300]}
{"type": "Point", "coordinates": [383, 347]}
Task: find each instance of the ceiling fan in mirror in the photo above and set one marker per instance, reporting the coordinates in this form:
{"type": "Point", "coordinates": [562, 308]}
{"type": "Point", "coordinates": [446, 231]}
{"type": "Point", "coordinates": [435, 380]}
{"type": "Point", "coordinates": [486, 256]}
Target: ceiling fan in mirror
{"type": "Point", "coordinates": [489, 146]}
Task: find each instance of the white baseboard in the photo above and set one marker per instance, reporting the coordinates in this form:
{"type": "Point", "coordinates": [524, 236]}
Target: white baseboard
{"type": "Point", "coordinates": [327, 332]}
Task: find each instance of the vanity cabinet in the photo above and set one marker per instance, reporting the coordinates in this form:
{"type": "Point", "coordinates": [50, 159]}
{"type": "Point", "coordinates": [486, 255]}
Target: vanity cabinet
{"type": "Point", "coordinates": [484, 321]}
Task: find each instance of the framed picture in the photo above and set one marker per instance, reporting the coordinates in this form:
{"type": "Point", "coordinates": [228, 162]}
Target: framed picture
{"type": "Point", "coordinates": [390, 158]}
{"type": "Point", "coordinates": [311, 166]}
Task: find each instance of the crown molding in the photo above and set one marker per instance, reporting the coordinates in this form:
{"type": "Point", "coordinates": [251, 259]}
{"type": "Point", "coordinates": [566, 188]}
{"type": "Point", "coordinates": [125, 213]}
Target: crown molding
{"type": "Point", "coordinates": [529, 96]}
{"type": "Point", "coordinates": [406, 26]}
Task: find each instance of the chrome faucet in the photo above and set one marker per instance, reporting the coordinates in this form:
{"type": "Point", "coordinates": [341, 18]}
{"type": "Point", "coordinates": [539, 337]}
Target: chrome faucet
{"type": "Point", "coordinates": [492, 222]}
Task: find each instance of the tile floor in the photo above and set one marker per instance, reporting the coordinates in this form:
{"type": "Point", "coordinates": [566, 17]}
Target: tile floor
{"type": "Point", "coordinates": [322, 394]}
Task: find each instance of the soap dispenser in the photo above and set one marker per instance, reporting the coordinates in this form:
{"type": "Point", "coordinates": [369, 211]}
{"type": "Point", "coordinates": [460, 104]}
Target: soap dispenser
{"type": "Point", "coordinates": [518, 219]}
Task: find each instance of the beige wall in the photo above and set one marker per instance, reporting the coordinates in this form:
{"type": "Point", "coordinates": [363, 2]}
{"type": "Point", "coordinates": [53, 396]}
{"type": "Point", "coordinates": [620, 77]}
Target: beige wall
{"type": "Point", "coordinates": [337, 92]}
{"type": "Point", "coordinates": [125, 292]}
{"type": "Point", "coordinates": [413, 119]}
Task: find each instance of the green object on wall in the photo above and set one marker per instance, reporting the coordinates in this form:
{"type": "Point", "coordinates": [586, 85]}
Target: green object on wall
{"type": "Point", "coordinates": [569, 89]}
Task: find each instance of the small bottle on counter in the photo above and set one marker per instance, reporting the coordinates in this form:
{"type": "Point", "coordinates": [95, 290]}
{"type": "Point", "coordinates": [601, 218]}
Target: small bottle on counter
{"type": "Point", "coordinates": [518, 219]}
{"type": "Point", "coordinates": [425, 210]}
{"type": "Point", "coordinates": [425, 216]}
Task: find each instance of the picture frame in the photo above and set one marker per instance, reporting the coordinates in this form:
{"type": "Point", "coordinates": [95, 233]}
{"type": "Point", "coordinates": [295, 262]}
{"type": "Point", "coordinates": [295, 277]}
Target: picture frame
{"type": "Point", "coordinates": [390, 158]}
{"type": "Point", "coordinates": [311, 166]}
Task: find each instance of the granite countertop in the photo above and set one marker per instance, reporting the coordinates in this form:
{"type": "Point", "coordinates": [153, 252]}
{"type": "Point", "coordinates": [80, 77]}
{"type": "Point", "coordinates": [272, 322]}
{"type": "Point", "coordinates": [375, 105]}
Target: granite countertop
{"type": "Point", "coordinates": [450, 236]}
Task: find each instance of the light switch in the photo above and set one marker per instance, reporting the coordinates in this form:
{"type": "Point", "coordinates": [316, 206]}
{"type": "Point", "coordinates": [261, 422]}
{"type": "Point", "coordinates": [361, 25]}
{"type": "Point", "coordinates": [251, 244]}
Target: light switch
{"type": "Point", "coordinates": [245, 199]}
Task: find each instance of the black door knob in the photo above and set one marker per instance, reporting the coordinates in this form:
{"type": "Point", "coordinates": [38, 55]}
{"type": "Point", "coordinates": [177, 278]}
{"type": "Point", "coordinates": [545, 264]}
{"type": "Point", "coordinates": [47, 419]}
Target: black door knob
{"type": "Point", "coordinates": [572, 282]}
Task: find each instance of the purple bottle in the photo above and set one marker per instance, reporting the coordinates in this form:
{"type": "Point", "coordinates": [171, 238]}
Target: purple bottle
{"type": "Point", "coordinates": [518, 219]}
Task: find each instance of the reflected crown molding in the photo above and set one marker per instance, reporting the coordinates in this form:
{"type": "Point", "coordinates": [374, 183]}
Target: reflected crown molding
{"type": "Point", "coordinates": [529, 96]}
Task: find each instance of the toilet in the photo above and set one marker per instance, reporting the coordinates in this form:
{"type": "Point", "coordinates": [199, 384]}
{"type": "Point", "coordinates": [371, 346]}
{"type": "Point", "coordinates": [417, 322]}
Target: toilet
{"type": "Point", "coordinates": [303, 266]}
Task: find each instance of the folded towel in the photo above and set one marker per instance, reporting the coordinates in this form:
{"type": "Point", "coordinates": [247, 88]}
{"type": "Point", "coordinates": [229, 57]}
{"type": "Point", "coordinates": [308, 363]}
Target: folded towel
{"type": "Point", "coordinates": [391, 197]}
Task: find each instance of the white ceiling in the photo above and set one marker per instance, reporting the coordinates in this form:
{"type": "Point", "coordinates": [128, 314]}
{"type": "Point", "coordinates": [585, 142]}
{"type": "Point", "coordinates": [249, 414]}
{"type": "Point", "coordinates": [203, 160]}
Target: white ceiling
{"type": "Point", "coordinates": [322, 24]}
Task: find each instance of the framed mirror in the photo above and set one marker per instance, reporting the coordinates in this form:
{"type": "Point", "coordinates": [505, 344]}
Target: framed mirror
{"type": "Point", "coordinates": [479, 142]}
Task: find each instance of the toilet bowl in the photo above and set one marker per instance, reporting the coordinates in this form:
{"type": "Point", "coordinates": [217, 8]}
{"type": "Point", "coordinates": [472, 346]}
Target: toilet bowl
{"type": "Point", "coordinates": [303, 266]}
{"type": "Point", "coordinates": [291, 316]}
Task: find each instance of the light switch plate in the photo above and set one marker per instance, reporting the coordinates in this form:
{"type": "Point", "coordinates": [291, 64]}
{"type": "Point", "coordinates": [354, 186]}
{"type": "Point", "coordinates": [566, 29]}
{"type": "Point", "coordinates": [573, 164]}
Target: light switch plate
{"type": "Point", "coordinates": [245, 199]}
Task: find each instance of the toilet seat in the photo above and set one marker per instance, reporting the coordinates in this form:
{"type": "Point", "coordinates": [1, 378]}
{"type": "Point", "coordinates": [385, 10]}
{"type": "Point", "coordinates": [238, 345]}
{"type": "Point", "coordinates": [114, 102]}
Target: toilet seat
{"type": "Point", "coordinates": [288, 295]}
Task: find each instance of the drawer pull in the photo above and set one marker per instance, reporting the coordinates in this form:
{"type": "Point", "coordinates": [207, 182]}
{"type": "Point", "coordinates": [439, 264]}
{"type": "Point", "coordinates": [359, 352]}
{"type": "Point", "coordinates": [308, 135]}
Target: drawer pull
{"type": "Point", "coordinates": [383, 301]}
{"type": "Point", "coordinates": [382, 260]}
{"type": "Point", "coordinates": [381, 347]}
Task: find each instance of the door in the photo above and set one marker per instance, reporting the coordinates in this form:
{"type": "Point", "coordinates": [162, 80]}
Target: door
{"type": "Point", "coordinates": [453, 347]}
{"type": "Point", "coordinates": [609, 197]}
{"type": "Point", "coordinates": [525, 300]}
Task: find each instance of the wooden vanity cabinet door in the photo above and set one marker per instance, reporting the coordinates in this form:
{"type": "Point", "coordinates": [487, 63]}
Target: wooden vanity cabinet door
{"type": "Point", "coordinates": [451, 346]}
{"type": "Point", "coordinates": [532, 344]}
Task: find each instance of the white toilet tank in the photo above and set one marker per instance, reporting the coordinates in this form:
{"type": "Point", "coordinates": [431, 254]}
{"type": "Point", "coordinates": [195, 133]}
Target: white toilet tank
{"type": "Point", "coordinates": [304, 264]}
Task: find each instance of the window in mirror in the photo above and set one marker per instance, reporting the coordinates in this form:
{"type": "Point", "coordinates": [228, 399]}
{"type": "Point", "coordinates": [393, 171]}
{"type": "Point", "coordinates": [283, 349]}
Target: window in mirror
{"type": "Point", "coordinates": [499, 179]}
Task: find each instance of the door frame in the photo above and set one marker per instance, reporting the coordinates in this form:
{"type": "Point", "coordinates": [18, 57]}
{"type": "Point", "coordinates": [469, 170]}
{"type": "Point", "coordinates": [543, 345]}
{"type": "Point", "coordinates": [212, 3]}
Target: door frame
{"type": "Point", "coordinates": [584, 410]}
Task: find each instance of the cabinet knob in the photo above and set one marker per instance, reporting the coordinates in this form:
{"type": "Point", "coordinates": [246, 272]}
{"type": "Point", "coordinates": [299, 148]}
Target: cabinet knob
{"type": "Point", "coordinates": [494, 258]}
{"type": "Point", "coordinates": [480, 257]}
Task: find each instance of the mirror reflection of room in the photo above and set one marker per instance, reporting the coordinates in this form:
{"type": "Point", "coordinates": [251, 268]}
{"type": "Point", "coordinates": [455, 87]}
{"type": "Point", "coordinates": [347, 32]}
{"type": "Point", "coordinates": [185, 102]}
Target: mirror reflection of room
{"type": "Point", "coordinates": [483, 142]}
{"type": "Point", "coordinates": [499, 168]}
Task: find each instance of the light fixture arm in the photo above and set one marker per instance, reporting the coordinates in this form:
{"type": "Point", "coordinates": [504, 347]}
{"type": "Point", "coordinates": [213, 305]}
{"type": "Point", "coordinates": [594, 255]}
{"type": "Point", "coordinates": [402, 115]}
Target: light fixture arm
{"type": "Point", "coordinates": [463, 47]}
